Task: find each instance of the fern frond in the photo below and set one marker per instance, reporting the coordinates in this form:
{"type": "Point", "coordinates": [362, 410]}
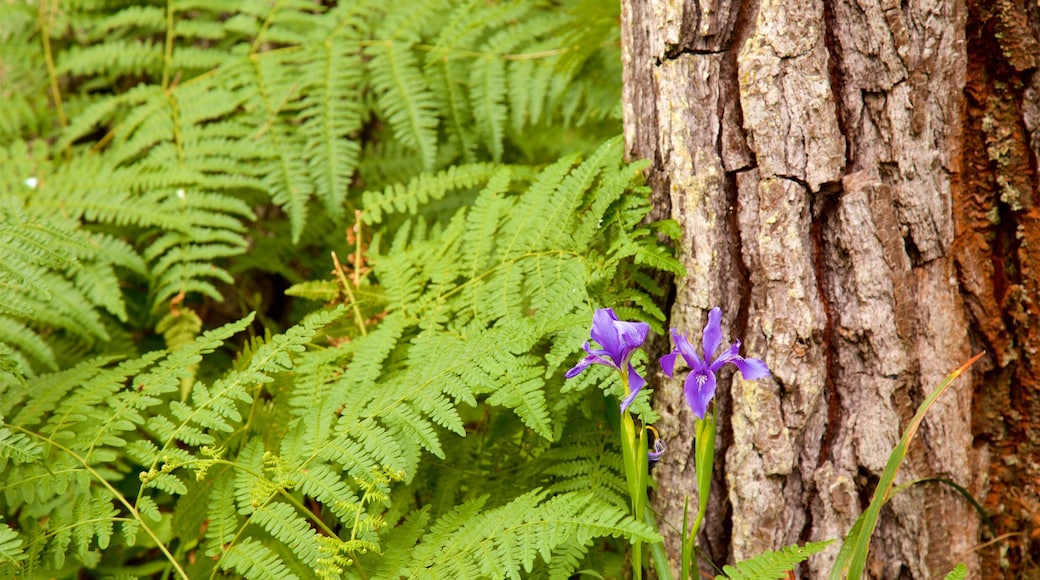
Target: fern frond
{"type": "Point", "coordinates": [34, 404]}
{"type": "Point", "coordinates": [17, 447]}
{"type": "Point", "coordinates": [331, 114]}
{"type": "Point", "coordinates": [213, 408]}
{"type": "Point", "coordinates": [487, 84]}
{"type": "Point", "coordinates": [114, 58]}
{"type": "Point", "coordinates": [584, 463]}
{"type": "Point", "coordinates": [960, 572]}
{"type": "Point", "coordinates": [771, 565]}
{"type": "Point", "coordinates": [483, 222]}
{"type": "Point", "coordinates": [522, 391]}
{"type": "Point", "coordinates": [287, 179]}
{"type": "Point", "coordinates": [503, 541]}
{"type": "Point", "coordinates": [412, 24]}
{"type": "Point", "coordinates": [423, 188]}
{"type": "Point", "coordinates": [223, 520]}
{"type": "Point", "coordinates": [323, 484]}
{"type": "Point", "coordinates": [398, 547]}
{"type": "Point", "coordinates": [11, 550]}
{"type": "Point", "coordinates": [567, 559]}
{"type": "Point", "coordinates": [95, 418]}
{"type": "Point", "coordinates": [54, 277]}
{"type": "Point", "coordinates": [404, 98]}
{"type": "Point", "coordinates": [94, 514]}
{"type": "Point", "coordinates": [403, 279]}
{"type": "Point", "coordinates": [252, 559]}
{"type": "Point", "coordinates": [23, 341]}
{"type": "Point", "coordinates": [285, 525]}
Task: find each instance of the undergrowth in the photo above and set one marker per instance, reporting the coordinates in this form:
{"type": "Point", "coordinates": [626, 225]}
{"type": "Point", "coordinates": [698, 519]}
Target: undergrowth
{"type": "Point", "coordinates": [289, 289]}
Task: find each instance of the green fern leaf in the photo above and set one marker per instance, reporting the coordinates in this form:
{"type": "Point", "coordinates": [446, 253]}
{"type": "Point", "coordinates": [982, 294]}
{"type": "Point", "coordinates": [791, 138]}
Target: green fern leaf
{"type": "Point", "coordinates": [771, 565]}
{"type": "Point", "coordinates": [327, 486]}
{"type": "Point", "coordinates": [253, 560]}
{"type": "Point", "coordinates": [584, 464]}
{"type": "Point", "coordinates": [318, 290]}
{"type": "Point", "coordinates": [129, 529]}
{"type": "Point", "coordinates": [486, 546]}
{"type": "Point", "coordinates": [17, 335]}
{"type": "Point", "coordinates": [114, 58]}
{"type": "Point", "coordinates": [398, 548]}
{"type": "Point", "coordinates": [284, 524]}
{"type": "Point", "coordinates": [960, 572]}
{"type": "Point", "coordinates": [405, 98]}
{"type": "Point", "coordinates": [369, 357]}
{"type": "Point", "coordinates": [223, 519]}
{"type": "Point", "coordinates": [410, 24]}
{"type": "Point", "coordinates": [449, 88]}
{"type": "Point", "coordinates": [566, 560]}
{"type": "Point", "coordinates": [488, 94]}
{"type": "Point", "coordinates": [331, 114]}
{"type": "Point", "coordinates": [420, 190]}
{"type": "Point", "coordinates": [49, 391]}
{"type": "Point", "coordinates": [17, 447]}
{"type": "Point", "coordinates": [521, 389]}
{"type": "Point", "coordinates": [11, 550]}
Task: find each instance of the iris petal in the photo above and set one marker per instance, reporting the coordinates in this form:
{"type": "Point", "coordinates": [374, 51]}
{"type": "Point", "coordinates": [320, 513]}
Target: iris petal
{"type": "Point", "coordinates": [752, 368]}
{"type": "Point", "coordinates": [668, 363]}
{"type": "Point", "coordinates": [686, 349]}
{"type": "Point", "coordinates": [699, 390]}
{"type": "Point", "coordinates": [635, 384]}
{"type": "Point", "coordinates": [712, 332]}
{"type": "Point", "coordinates": [727, 356]}
{"type": "Point", "coordinates": [585, 362]}
{"type": "Point", "coordinates": [632, 334]}
{"type": "Point", "coordinates": [605, 333]}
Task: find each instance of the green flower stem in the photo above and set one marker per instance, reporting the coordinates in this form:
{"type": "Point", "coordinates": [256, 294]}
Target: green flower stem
{"type": "Point", "coordinates": [704, 464]}
{"type": "Point", "coordinates": [634, 443]}
{"type": "Point", "coordinates": [633, 451]}
{"type": "Point", "coordinates": [630, 453]}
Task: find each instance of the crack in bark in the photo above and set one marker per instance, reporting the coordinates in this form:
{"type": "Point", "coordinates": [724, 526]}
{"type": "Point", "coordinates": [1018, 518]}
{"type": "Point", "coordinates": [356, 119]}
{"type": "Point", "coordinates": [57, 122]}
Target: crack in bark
{"type": "Point", "coordinates": [824, 212]}
{"type": "Point", "coordinates": [834, 73]}
{"type": "Point", "coordinates": [675, 52]}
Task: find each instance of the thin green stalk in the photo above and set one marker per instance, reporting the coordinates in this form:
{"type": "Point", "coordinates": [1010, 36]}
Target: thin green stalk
{"type": "Point", "coordinates": [46, 10]}
{"type": "Point", "coordinates": [630, 454]}
{"type": "Point", "coordinates": [168, 48]}
{"type": "Point", "coordinates": [358, 317]}
{"type": "Point", "coordinates": [657, 551]}
{"type": "Point", "coordinates": [704, 464]}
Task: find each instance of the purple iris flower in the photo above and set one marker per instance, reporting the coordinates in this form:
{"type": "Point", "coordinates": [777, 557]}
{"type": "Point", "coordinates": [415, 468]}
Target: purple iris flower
{"type": "Point", "coordinates": [700, 384]}
{"type": "Point", "coordinates": [620, 340]}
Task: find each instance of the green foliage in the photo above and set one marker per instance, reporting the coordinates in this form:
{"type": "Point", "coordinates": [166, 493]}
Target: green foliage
{"type": "Point", "coordinates": [500, 542]}
{"type": "Point", "coordinates": [168, 411]}
{"type": "Point", "coordinates": [960, 572]}
{"type": "Point", "coordinates": [772, 565]}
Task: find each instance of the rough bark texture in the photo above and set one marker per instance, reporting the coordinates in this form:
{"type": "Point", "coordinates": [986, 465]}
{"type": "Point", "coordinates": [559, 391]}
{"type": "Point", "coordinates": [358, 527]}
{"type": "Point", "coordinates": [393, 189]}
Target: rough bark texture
{"type": "Point", "coordinates": [998, 261]}
{"type": "Point", "coordinates": [856, 181]}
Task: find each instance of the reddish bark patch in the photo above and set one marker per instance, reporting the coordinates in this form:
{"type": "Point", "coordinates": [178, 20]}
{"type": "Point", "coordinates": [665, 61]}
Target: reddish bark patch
{"type": "Point", "coordinates": [998, 260]}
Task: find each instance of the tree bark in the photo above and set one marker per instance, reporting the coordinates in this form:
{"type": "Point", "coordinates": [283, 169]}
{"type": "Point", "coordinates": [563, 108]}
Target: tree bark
{"type": "Point", "coordinates": [856, 182]}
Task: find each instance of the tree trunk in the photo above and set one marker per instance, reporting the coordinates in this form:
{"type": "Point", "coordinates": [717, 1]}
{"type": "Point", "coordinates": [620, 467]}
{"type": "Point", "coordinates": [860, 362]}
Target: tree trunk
{"type": "Point", "coordinates": [857, 186]}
